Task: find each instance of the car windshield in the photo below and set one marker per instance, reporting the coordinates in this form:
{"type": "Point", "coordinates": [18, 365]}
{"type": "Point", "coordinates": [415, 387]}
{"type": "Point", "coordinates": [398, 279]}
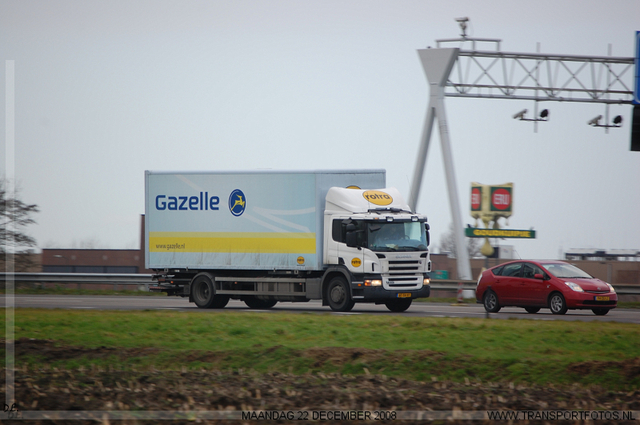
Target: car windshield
{"type": "Point", "coordinates": [564, 270]}
{"type": "Point", "coordinates": [396, 236]}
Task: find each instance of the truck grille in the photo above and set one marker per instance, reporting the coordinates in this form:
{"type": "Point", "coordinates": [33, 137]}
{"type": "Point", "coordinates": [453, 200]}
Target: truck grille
{"type": "Point", "coordinates": [403, 275]}
{"type": "Point", "coordinates": [403, 266]}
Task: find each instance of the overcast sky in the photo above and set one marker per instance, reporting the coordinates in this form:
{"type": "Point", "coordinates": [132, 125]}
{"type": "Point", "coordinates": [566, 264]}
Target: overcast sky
{"type": "Point", "coordinates": [107, 89]}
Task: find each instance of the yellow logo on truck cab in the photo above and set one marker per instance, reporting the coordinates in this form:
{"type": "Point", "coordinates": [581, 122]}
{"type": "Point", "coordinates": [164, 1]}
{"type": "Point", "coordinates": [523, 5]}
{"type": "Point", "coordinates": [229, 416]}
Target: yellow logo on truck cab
{"type": "Point", "coordinates": [377, 197]}
{"type": "Point", "coordinates": [356, 262]}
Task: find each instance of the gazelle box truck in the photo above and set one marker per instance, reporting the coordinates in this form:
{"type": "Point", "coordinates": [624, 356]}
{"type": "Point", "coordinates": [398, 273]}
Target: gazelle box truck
{"type": "Point", "coordinates": [269, 236]}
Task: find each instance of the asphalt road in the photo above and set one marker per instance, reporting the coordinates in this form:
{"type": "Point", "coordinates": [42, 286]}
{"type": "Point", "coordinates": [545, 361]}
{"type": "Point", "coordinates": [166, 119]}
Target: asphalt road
{"type": "Point", "coordinates": [417, 309]}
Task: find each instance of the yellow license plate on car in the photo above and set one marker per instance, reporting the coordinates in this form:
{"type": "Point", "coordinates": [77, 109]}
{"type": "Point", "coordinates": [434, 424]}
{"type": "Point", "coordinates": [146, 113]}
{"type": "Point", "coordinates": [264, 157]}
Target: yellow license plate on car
{"type": "Point", "coordinates": [602, 298]}
{"type": "Point", "coordinates": [404, 295]}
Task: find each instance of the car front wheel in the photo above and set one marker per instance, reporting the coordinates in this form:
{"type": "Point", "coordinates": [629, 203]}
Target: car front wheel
{"type": "Point", "coordinates": [491, 302]}
{"type": "Point", "coordinates": [557, 304]}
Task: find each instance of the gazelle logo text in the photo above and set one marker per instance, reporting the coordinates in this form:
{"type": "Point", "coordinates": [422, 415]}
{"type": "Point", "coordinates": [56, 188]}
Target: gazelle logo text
{"type": "Point", "coordinates": [186, 203]}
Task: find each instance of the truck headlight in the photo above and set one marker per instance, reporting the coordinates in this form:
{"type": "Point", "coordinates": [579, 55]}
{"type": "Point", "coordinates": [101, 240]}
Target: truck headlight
{"type": "Point", "coordinates": [426, 281]}
{"type": "Point", "coordinates": [373, 282]}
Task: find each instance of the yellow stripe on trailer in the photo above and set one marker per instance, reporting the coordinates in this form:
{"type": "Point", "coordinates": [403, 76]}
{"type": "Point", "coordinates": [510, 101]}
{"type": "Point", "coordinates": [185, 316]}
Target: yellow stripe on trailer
{"type": "Point", "coordinates": [237, 242]}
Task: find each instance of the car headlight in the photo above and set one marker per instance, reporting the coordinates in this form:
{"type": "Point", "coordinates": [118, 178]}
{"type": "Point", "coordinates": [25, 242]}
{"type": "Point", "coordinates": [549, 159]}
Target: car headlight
{"type": "Point", "coordinates": [574, 286]}
{"type": "Point", "coordinates": [611, 288]}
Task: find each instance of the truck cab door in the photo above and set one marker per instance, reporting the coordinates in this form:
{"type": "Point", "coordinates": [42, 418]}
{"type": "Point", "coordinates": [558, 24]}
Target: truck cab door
{"type": "Point", "coordinates": [351, 252]}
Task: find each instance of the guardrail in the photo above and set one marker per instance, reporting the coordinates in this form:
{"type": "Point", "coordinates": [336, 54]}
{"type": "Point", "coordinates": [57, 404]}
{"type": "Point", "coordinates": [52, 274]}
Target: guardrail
{"type": "Point", "coordinates": [450, 284]}
{"type": "Point", "coordinates": [141, 280]}
{"type": "Point", "coordinates": [144, 280]}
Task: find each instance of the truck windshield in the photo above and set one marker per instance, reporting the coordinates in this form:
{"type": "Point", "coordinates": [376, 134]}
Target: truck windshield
{"type": "Point", "coordinates": [396, 236]}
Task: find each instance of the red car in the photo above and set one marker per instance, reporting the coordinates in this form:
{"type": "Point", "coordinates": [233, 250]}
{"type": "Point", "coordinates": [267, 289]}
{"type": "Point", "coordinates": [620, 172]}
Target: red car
{"type": "Point", "coordinates": [556, 285]}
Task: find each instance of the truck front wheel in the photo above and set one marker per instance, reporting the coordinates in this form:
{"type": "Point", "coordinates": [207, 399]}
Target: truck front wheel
{"type": "Point", "coordinates": [398, 306]}
{"type": "Point", "coordinates": [339, 296]}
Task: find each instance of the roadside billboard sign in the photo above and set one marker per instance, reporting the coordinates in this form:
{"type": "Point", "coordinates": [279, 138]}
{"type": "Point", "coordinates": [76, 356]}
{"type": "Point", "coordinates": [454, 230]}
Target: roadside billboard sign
{"type": "Point", "coordinates": [501, 197]}
{"type": "Point", "coordinates": [474, 232]}
{"type": "Point", "coordinates": [490, 202]}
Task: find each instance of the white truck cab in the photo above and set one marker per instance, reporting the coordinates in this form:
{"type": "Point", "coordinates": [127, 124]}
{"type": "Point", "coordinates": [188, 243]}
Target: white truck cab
{"type": "Point", "coordinates": [383, 245]}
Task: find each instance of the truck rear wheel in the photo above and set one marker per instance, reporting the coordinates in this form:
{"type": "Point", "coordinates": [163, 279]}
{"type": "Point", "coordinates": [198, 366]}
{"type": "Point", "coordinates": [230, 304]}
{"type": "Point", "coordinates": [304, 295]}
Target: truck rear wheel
{"type": "Point", "coordinates": [204, 293]}
{"type": "Point", "coordinates": [399, 305]}
{"type": "Point", "coordinates": [258, 304]}
{"type": "Point", "coordinates": [339, 296]}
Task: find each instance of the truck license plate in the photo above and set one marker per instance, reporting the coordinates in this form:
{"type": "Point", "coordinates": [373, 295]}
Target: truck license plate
{"type": "Point", "coordinates": [602, 298]}
{"type": "Point", "coordinates": [404, 295]}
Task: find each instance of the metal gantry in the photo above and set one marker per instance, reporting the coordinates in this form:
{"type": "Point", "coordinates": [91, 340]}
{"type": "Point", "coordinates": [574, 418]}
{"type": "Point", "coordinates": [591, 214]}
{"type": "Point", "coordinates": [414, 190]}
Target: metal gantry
{"type": "Point", "coordinates": [541, 77]}
{"type": "Point", "coordinates": [493, 74]}
{"type": "Point", "coordinates": [538, 77]}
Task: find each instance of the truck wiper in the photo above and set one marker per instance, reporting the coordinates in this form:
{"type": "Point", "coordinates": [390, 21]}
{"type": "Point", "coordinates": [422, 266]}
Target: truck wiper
{"type": "Point", "coordinates": [391, 209]}
{"type": "Point", "coordinates": [409, 248]}
{"type": "Point", "coordinates": [385, 248]}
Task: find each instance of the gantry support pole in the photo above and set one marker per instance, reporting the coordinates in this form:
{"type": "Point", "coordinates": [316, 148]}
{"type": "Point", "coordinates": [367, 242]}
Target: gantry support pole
{"type": "Point", "coordinates": [437, 64]}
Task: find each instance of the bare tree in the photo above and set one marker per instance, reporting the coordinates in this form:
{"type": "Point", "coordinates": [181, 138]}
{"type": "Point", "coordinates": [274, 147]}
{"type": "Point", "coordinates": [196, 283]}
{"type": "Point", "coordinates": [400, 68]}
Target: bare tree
{"type": "Point", "coordinates": [448, 244]}
{"type": "Point", "coordinates": [15, 216]}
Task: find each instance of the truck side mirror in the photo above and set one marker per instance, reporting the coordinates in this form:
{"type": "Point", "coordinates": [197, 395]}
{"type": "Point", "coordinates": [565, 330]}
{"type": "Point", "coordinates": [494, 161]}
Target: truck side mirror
{"type": "Point", "coordinates": [351, 237]}
{"type": "Point", "coordinates": [426, 229]}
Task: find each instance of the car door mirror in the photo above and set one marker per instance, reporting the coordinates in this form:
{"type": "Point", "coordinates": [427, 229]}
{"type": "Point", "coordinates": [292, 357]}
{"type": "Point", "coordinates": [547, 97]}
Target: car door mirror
{"type": "Point", "coordinates": [538, 276]}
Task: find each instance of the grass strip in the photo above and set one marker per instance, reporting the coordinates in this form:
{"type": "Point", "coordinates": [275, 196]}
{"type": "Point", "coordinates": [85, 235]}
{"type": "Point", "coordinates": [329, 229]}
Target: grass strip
{"type": "Point", "coordinates": [527, 351]}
